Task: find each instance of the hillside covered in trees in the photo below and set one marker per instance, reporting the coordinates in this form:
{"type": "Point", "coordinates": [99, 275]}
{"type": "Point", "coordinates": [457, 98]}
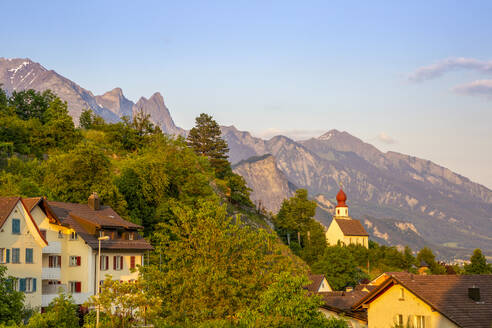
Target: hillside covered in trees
{"type": "Point", "coordinates": [216, 261]}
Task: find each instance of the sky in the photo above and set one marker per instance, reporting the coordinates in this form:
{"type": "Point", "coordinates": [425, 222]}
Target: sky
{"type": "Point", "coordinates": [408, 76]}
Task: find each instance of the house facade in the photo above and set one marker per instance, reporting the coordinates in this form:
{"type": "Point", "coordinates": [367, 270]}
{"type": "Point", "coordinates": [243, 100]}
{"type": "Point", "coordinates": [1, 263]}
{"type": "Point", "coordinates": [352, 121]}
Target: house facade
{"type": "Point", "coordinates": [429, 301]}
{"type": "Point", "coordinates": [58, 244]}
{"type": "Point", "coordinates": [343, 228]}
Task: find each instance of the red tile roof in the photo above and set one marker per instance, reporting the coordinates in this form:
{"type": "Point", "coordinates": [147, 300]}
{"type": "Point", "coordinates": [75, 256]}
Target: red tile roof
{"type": "Point", "coordinates": [7, 204]}
{"type": "Point", "coordinates": [316, 279]}
{"type": "Point", "coordinates": [351, 227]}
{"type": "Point", "coordinates": [447, 294]}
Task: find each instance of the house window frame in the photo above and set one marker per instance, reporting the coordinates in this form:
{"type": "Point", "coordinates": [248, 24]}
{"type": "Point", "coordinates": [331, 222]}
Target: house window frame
{"type": "Point", "coordinates": [74, 261]}
{"type": "Point", "coordinates": [104, 263]}
{"type": "Point", "coordinates": [74, 287]}
{"type": "Point", "coordinates": [419, 321]}
{"type": "Point", "coordinates": [402, 294]}
{"type": "Point", "coordinates": [29, 259]}
{"type": "Point", "coordinates": [14, 258]}
{"type": "Point", "coordinates": [60, 234]}
{"type": "Point", "coordinates": [16, 227]}
{"type": "Point", "coordinates": [3, 255]}
{"type": "Point", "coordinates": [74, 235]}
{"type": "Point", "coordinates": [55, 261]}
{"type": "Point", "coordinates": [118, 263]}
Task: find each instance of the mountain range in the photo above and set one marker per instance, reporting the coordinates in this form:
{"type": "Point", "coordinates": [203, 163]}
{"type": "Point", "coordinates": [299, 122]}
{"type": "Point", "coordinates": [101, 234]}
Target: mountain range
{"type": "Point", "coordinates": [401, 199]}
{"type": "Point", "coordinates": [22, 73]}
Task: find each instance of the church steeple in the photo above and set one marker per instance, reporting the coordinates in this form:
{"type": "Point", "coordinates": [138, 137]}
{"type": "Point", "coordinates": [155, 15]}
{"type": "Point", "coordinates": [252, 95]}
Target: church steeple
{"type": "Point", "coordinates": [341, 211]}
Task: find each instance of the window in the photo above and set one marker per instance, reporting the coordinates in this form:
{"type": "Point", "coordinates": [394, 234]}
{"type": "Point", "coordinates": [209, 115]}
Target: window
{"type": "Point", "coordinates": [419, 321]}
{"type": "Point", "coordinates": [27, 285]}
{"type": "Point", "coordinates": [60, 234]}
{"type": "Point", "coordinates": [29, 255]}
{"type": "Point", "coordinates": [132, 262]}
{"type": "Point", "coordinates": [74, 261]}
{"type": "Point", "coordinates": [54, 261]}
{"type": "Point", "coordinates": [3, 257]}
{"type": "Point", "coordinates": [15, 255]}
{"type": "Point", "coordinates": [118, 263]}
{"type": "Point", "coordinates": [43, 233]}
{"type": "Point", "coordinates": [130, 236]}
{"type": "Point", "coordinates": [402, 294]}
{"type": "Point", "coordinates": [399, 320]}
{"type": "Point", "coordinates": [104, 264]}
{"type": "Point", "coordinates": [16, 226]}
{"type": "Point", "coordinates": [75, 286]}
{"type": "Point", "coordinates": [73, 235]}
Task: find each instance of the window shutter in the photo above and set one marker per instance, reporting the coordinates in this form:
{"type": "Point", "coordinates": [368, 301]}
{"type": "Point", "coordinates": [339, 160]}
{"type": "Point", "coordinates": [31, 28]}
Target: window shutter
{"type": "Point", "coordinates": [7, 260]}
{"type": "Point", "coordinates": [78, 260]}
{"type": "Point", "coordinates": [107, 262]}
{"type": "Point", "coordinates": [114, 262]}
{"type": "Point", "coordinates": [121, 262]}
{"type": "Point", "coordinates": [132, 262]}
{"type": "Point", "coordinates": [100, 263]}
{"type": "Point", "coordinates": [33, 285]}
{"type": "Point", "coordinates": [22, 285]}
{"type": "Point", "coordinates": [50, 260]}
{"type": "Point", "coordinates": [78, 287]}
{"type": "Point", "coordinates": [59, 261]}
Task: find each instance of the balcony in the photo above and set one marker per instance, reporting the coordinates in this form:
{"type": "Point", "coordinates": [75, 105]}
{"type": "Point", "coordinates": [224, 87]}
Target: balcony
{"type": "Point", "coordinates": [54, 247]}
{"type": "Point", "coordinates": [50, 292]}
{"type": "Point", "coordinates": [51, 273]}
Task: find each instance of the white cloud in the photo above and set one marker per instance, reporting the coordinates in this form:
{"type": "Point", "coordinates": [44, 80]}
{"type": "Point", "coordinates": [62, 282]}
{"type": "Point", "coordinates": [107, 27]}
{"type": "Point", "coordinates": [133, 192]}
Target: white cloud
{"type": "Point", "coordinates": [451, 64]}
{"type": "Point", "coordinates": [384, 138]}
{"type": "Point", "coordinates": [293, 134]}
{"type": "Point", "coordinates": [479, 87]}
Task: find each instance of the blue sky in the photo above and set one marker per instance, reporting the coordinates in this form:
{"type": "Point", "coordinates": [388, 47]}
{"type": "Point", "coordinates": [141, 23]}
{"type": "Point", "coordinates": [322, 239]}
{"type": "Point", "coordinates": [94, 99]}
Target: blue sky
{"type": "Point", "coordinates": [413, 77]}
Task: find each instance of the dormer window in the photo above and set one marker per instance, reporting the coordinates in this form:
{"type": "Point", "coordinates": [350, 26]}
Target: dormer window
{"type": "Point", "coordinates": [73, 235]}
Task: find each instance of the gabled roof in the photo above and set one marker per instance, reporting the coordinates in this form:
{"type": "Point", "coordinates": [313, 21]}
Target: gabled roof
{"type": "Point", "coordinates": [351, 227]}
{"type": "Point", "coordinates": [341, 302]}
{"type": "Point", "coordinates": [7, 204]}
{"type": "Point", "coordinates": [105, 217]}
{"type": "Point", "coordinates": [447, 294]}
{"type": "Point", "coordinates": [316, 279]}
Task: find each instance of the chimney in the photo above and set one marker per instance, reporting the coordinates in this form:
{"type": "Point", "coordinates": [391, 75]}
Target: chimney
{"type": "Point", "coordinates": [474, 293]}
{"type": "Point", "coordinates": [94, 202]}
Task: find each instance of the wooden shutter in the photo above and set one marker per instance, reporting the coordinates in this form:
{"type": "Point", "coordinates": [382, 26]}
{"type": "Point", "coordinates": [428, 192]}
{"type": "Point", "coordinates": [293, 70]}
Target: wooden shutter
{"type": "Point", "coordinates": [7, 260]}
{"type": "Point", "coordinates": [59, 261]}
{"type": "Point", "coordinates": [78, 287]}
{"type": "Point", "coordinates": [50, 260]}
{"type": "Point", "coordinates": [107, 262]}
{"type": "Point", "coordinates": [114, 262]}
{"type": "Point", "coordinates": [22, 285]}
{"type": "Point", "coordinates": [100, 263]}
{"type": "Point", "coordinates": [33, 284]}
{"type": "Point", "coordinates": [132, 262]}
{"type": "Point", "coordinates": [78, 260]}
{"type": "Point", "coordinates": [121, 262]}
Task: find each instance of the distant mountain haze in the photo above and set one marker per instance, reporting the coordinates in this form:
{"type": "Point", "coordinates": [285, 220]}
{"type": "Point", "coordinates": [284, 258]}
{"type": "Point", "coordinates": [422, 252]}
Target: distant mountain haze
{"type": "Point", "coordinates": [399, 198]}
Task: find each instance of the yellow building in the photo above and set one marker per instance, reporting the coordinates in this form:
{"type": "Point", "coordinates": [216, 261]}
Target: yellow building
{"type": "Point", "coordinates": [53, 246]}
{"type": "Point", "coordinates": [343, 228]}
{"type": "Point", "coordinates": [429, 301]}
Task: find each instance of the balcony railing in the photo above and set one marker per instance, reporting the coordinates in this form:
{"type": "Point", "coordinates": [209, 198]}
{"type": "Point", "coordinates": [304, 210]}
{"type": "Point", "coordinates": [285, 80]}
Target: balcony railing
{"type": "Point", "coordinates": [51, 273]}
{"type": "Point", "coordinates": [50, 292]}
{"type": "Point", "coordinates": [54, 247]}
{"type": "Point", "coordinates": [54, 289]}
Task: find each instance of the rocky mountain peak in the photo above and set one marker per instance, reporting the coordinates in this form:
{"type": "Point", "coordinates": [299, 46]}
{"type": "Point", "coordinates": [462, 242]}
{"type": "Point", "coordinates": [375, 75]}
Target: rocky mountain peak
{"type": "Point", "coordinates": [328, 135]}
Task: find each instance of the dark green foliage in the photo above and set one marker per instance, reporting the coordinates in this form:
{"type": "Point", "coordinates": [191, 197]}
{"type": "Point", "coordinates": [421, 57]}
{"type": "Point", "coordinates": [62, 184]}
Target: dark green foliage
{"type": "Point", "coordinates": [478, 264]}
{"type": "Point", "coordinates": [339, 267]}
{"type": "Point", "coordinates": [11, 302]}
{"type": "Point", "coordinates": [205, 139]}
{"type": "Point", "coordinates": [426, 255]}
{"type": "Point", "coordinates": [296, 218]}
{"type": "Point", "coordinates": [61, 313]}
{"type": "Point", "coordinates": [30, 104]}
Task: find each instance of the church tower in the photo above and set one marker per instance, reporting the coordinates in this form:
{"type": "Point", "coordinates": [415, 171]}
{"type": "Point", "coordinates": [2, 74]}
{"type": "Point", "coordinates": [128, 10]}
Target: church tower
{"type": "Point", "coordinates": [343, 228]}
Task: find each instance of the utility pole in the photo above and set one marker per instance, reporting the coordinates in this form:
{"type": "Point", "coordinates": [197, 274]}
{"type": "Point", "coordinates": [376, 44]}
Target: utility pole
{"type": "Point", "coordinates": [98, 267]}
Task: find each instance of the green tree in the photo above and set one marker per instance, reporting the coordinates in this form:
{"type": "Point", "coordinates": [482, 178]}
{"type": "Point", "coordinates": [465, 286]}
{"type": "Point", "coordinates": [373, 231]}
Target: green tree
{"type": "Point", "coordinates": [339, 267]}
{"type": "Point", "coordinates": [31, 104]}
{"type": "Point", "coordinates": [478, 264]}
{"type": "Point", "coordinates": [11, 301]}
{"type": "Point", "coordinates": [205, 138]}
{"type": "Point", "coordinates": [285, 303]}
{"type": "Point", "coordinates": [426, 255]}
{"type": "Point", "coordinates": [124, 304]}
{"type": "Point", "coordinates": [213, 266]}
{"type": "Point", "coordinates": [61, 313]}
